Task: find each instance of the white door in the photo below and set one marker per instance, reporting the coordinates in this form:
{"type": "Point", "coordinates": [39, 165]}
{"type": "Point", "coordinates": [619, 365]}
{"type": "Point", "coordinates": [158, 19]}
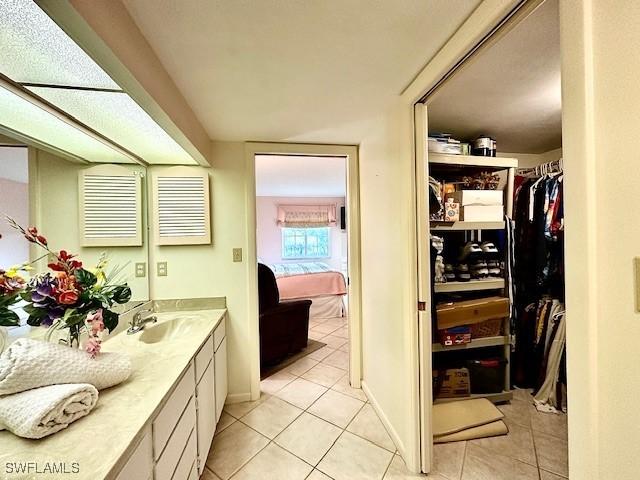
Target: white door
{"type": "Point", "coordinates": [424, 282]}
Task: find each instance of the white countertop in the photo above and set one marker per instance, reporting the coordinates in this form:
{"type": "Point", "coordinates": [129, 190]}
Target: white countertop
{"type": "Point", "coordinates": [100, 443]}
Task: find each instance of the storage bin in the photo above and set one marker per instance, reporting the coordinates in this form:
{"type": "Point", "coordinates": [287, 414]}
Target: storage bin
{"type": "Point", "coordinates": [488, 328]}
{"type": "Point", "coordinates": [487, 376]}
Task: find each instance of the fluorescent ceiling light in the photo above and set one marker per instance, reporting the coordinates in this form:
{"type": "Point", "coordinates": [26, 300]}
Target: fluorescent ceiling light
{"type": "Point", "coordinates": [116, 116]}
{"type": "Point", "coordinates": [38, 54]}
{"type": "Point", "coordinates": [22, 115]}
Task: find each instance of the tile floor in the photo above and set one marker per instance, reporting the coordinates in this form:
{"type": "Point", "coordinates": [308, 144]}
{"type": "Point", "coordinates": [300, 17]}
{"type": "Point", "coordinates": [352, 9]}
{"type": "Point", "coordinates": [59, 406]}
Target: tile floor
{"type": "Point", "coordinates": [310, 424]}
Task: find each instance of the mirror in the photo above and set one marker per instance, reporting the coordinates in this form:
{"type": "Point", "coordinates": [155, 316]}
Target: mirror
{"type": "Point", "coordinates": [41, 189]}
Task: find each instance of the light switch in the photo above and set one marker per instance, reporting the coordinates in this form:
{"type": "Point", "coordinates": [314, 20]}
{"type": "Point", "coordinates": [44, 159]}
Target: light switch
{"type": "Point", "coordinates": [237, 254]}
{"type": "Point", "coordinates": [141, 269]}
{"type": "Point", "coordinates": [161, 268]}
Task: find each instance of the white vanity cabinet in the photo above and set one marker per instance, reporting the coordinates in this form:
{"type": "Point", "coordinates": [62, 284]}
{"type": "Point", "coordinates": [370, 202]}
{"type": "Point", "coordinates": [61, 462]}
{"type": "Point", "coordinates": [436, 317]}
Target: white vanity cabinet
{"type": "Point", "coordinates": [176, 443]}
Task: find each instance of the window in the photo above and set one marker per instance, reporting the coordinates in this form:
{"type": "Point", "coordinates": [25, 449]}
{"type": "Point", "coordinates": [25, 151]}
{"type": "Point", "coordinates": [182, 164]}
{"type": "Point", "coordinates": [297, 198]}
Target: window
{"type": "Point", "coordinates": [305, 243]}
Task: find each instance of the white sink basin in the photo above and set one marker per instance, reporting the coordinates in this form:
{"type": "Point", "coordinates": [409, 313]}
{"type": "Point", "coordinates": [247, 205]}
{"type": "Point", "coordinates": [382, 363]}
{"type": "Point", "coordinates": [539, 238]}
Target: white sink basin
{"type": "Point", "coordinates": [165, 331]}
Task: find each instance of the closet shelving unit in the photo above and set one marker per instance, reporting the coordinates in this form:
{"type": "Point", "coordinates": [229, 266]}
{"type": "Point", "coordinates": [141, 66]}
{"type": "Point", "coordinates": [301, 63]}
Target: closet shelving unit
{"type": "Point", "coordinates": [442, 164]}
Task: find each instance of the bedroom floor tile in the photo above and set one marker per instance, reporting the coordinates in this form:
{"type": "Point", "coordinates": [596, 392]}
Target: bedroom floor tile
{"type": "Point", "coordinates": [309, 437]}
{"type": "Point", "coordinates": [272, 417]}
{"type": "Point", "coordinates": [354, 458]}
{"type": "Point", "coordinates": [338, 359]}
{"type": "Point", "coordinates": [276, 382]}
{"type": "Point", "coordinates": [334, 342]}
{"type": "Point", "coordinates": [324, 375]}
{"type": "Point", "coordinates": [301, 366]}
{"type": "Point", "coordinates": [343, 386]}
{"type": "Point", "coordinates": [321, 353]}
{"type": "Point", "coordinates": [336, 408]}
{"type": "Point", "coordinates": [301, 393]}
{"type": "Point", "coordinates": [326, 328]}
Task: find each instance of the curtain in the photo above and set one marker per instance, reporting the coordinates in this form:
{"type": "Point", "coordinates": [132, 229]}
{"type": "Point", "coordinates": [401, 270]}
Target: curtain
{"type": "Point", "coordinates": [306, 216]}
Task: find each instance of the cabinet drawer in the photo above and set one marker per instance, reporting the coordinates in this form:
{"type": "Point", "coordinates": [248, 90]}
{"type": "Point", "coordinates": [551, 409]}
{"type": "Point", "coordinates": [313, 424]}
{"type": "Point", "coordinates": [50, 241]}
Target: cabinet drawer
{"type": "Point", "coordinates": [166, 420]}
{"type": "Point", "coordinates": [203, 357]}
{"type": "Point", "coordinates": [140, 463]}
{"type": "Point", "coordinates": [170, 458]}
{"type": "Point", "coordinates": [187, 461]}
{"type": "Point", "coordinates": [220, 332]}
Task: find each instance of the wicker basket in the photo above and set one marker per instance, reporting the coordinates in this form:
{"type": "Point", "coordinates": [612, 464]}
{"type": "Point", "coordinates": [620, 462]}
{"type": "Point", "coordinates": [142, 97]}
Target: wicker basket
{"type": "Point", "coordinates": [488, 328]}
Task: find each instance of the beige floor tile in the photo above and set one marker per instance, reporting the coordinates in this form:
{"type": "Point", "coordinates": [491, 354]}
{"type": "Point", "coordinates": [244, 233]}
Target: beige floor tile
{"type": "Point", "coordinates": [209, 475]}
{"type": "Point", "coordinates": [343, 332]}
{"type": "Point", "coordinates": [321, 353]}
{"type": "Point", "coordinates": [224, 422]}
{"type": "Point", "coordinates": [552, 453]}
{"type": "Point", "coordinates": [334, 342]}
{"type": "Point", "coordinates": [238, 410]}
{"type": "Point", "coordinates": [325, 375]}
{"type": "Point", "coordinates": [343, 386]}
{"type": "Point", "coordinates": [550, 476]}
{"type": "Point", "coordinates": [309, 438]}
{"type": "Point", "coordinates": [274, 463]}
{"type": "Point", "coordinates": [301, 393]}
{"type": "Point", "coordinates": [448, 459]}
{"type": "Point", "coordinates": [338, 359]}
{"type": "Point", "coordinates": [272, 417]}
{"type": "Point", "coordinates": [233, 448]}
{"type": "Point", "coordinates": [517, 444]}
{"type": "Point", "coordinates": [301, 366]}
{"type": "Point", "coordinates": [398, 471]}
{"type": "Point", "coordinates": [326, 328]}
{"type": "Point", "coordinates": [276, 382]}
{"type": "Point", "coordinates": [318, 475]}
{"type": "Point", "coordinates": [345, 347]}
{"type": "Point", "coordinates": [366, 424]}
{"type": "Point", "coordinates": [518, 412]}
{"type": "Point", "coordinates": [550, 423]}
{"type": "Point", "coordinates": [483, 464]}
{"type": "Point", "coordinates": [353, 458]}
{"type": "Point", "coordinates": [336, 408]}
{"type": "Point", "coordinates": [313, 335]}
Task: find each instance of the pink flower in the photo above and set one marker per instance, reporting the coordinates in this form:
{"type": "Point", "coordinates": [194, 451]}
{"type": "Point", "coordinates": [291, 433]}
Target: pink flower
{"type": "Point", "coordinates": [92, 347]}
{"type": "Point", "coordinates": [96, 321]}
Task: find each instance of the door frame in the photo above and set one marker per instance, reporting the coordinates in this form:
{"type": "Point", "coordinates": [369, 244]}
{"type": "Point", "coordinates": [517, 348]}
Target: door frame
{"type": "Point", "coordinates": [354, 287]}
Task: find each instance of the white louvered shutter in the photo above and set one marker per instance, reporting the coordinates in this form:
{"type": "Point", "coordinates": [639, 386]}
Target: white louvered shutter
{"type": "Point", "coordinates": [181, 200]}
{"type": "Point", "coordinates": [110, 207]}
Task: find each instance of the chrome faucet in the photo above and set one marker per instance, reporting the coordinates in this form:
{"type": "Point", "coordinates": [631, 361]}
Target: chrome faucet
{"type": "Point", "coordinates": [138, 321]}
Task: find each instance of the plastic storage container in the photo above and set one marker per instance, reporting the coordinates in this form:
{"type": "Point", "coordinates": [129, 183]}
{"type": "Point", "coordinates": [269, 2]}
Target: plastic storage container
{"type": "Point", "coordinates": [487, 376]}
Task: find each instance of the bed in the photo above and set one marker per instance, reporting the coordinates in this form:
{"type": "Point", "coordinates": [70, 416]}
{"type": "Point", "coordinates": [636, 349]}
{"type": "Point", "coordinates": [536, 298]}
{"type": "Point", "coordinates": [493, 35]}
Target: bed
{"type": "Point", "coordinates": [316, 281]}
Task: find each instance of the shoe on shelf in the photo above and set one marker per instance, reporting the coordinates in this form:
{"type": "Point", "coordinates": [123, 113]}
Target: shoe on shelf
{"type": "Point", "coordinates": [488, 247]}
{"type": "Point", "coordinates": [449, 273]}
{"type": "Point", "coordinates": [462, 273]}
{"type": "Point", "coordinates": [471, 249]}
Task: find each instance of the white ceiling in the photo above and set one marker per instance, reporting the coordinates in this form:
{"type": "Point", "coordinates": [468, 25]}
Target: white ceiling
{"type": "Point", "coordinates": [298, 176]}
{"type": "Point", "coordinates": [14, 164]}
{"type": "Point", "coordinates": [511, 91]}
{"type": "Point", "coordinates": [284, 70]}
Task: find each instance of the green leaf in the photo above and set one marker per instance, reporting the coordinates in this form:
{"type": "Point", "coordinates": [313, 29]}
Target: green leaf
{"type": "Point", "coordinates": [34, 321]}
{"type": "Point", "coordinates": [85, 278]}
{"type": "Point", "coordinates": [110, 319]}
{"type": "Point", "coordinates": [122, 294]}
{"type": "Point", "coordinates": [8, 318]}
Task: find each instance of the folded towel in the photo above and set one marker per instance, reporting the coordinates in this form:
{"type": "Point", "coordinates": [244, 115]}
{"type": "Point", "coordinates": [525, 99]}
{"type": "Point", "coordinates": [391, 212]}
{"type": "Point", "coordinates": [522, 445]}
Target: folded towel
{"type": "Point", "coordinates": [42, 411]}
{"type": "Point", "coordinates": [28, 364]}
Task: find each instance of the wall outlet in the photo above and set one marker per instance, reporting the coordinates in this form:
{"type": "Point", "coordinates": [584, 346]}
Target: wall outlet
{"type": "Point", "coordinates": [161, 268]}
{"type": "Point", "coordinates": [141, 269]}
{"type": "Point", "coordinates": [237, 254]}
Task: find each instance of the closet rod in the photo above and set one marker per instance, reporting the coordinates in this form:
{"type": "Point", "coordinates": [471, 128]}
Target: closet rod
{"type": "Point", "coordinates": [521, 11]}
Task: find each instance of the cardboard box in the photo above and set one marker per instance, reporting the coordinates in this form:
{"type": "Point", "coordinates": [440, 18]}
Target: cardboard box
{"type": "Point", "coordinates": [478, 197]}
{"type": "Point", "coordinates": [451, 383]}
{"type": "Point", "coordinates": [468, 312]}
{"type": "Point", "coordinates": [455, 336]}
{"type": "Point", "coordinates": [482, 213]}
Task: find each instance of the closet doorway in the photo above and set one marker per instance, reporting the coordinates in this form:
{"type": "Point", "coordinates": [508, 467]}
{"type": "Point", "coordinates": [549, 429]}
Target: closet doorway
{"type": "Point", "coordinates": [491, 258]}
{"type": "Point", "coordinates": [341, 233]}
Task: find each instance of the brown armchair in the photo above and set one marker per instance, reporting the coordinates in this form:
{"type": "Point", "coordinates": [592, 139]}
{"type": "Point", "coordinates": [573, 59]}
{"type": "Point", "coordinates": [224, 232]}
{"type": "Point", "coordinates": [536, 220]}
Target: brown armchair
{"type": "Point", "coordinates": [284, 326]}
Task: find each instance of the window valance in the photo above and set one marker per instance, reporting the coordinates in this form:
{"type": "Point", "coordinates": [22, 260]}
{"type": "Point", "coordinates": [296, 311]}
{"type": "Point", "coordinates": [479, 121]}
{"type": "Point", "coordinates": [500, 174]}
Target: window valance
{"type": "Point", "coordinates": [306, 216]}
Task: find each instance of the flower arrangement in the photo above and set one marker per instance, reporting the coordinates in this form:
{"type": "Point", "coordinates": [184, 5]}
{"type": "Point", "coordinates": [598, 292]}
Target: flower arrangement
{"type": "Point", "coordinates": [68, 296]}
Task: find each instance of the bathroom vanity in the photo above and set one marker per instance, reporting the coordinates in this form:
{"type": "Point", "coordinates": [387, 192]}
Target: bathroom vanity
{"type": "Point", "coordinates": [160, 423]}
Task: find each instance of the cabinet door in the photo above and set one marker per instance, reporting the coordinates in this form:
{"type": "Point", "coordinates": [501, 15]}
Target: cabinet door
{"type": "Point", "coordinates": [206, 411]}
{"type": "Point", "coordinates": [221, 377]}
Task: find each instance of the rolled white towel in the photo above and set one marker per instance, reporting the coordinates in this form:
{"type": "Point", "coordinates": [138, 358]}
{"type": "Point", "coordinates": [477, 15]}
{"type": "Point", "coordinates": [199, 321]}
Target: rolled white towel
{"type": "Point", "coordinates": [42, 411]}
{"type": "Point", "coordinates": [28, 364]}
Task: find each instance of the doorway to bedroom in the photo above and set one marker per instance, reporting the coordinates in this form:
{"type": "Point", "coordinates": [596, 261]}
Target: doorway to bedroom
{"type": "Point", "coordinates": [302, 250]}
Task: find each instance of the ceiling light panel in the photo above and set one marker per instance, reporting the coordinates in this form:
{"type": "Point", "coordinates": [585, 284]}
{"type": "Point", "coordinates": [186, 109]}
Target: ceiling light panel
{"type": "Point", "coordinates": [36, 50]}
{"type": "Point", "coordinates": [29, 119]}
{"type": "Point", "coordinates": [118, 117]}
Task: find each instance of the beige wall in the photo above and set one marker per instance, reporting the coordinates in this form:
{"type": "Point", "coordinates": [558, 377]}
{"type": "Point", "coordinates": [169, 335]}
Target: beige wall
{"type": "Point", "coordinates": [527, 160]}
{"type": "Point", "coordinates": [54, 206]}
{"type": "Point", "coordinates": [209, 270]}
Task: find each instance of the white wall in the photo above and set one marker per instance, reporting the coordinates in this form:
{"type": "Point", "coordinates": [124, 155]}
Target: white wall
{"type": "Point", "coordinates": [527, 160]}
{"type": "Point", "coordinates": [269, 234]}
{"type": "Point", "coordinates": [208, 270]}
{"type": "Point", "coordinates": [14, 201]}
